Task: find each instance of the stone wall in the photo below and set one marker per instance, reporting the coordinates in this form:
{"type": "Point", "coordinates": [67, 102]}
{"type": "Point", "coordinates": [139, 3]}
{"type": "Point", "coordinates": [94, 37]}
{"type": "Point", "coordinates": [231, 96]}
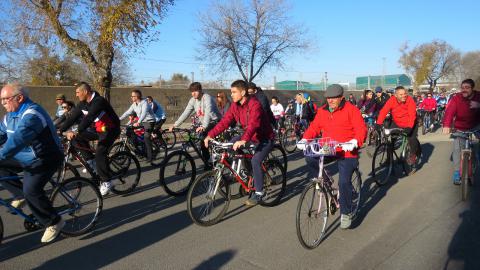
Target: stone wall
{"type": "Point", "coordinates": [173, 100]}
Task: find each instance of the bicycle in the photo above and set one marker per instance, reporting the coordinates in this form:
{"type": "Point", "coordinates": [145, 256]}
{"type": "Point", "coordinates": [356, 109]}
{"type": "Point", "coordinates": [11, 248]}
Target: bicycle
{"type": "Point", "coordinates": [373, 136]}
{"type": "Point", "coordinates": [427, 121]}
{"type": "Point", "coordinates": [209, 195]}
{"type": "Point", "coordinates": [178, 169]}
{"type": "Point", "coordinates": [293, 135]}
{"type": "Point", "coordinates": [125, 179]}
{"type": "Point", "coordinates": [77, 200]}
{"type": "Point", "coordinates": [320, 198]}
{"type": "Point", "coordinates": [468, 161]}
{"type": "Point", "coordinates": [383, 158]}
{"type": "Point", "coordinates": [129, 141]}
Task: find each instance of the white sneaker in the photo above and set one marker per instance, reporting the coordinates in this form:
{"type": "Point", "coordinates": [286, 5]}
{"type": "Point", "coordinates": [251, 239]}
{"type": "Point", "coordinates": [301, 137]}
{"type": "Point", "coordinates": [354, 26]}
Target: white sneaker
{"type": "Point", "coordinates": [53, 231]}
{"type": "Point", "coordinates": [19, 203]}
{"type": "Point", "coordinates": [105, 188]}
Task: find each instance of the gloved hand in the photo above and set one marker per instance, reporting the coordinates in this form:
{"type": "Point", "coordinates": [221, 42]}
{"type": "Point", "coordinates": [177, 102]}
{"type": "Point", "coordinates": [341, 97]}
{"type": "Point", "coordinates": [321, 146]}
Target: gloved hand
{"type": "Point", "coordinates": [350, 145]}
{"type": "Point", "coordinates": [302, 144]}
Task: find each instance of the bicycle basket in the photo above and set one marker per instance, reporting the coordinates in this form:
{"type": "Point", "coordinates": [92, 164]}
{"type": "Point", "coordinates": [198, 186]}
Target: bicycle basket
{"type": "Point", "coordinates": [320, 147]}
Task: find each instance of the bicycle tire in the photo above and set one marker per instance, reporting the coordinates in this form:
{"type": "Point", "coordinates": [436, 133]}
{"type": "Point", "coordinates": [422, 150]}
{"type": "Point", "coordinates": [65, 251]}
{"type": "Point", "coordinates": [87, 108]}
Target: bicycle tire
{"type": "Point", "coordinates": [118, 147]}
{"type": "Point", "coordinates": [274, 183]}
{"type": "Point", "coordinates": [278, 153]}
{"type": "Point", "coordinates": [356, 192]}
{"type": "Point", "coordinates": [1, 230]}
{"type": "Point", "coordinates": [290, 140]}
{"type": "Point", "coordinates": [124, 178]}
{"type": "Point", "coordinates": [73, 199]}
{"type": "Point", "coordinates": [169, 137]}
{"type": "Point", "coordinates": [382, 164]}
{"type": "Point", "coordinates": [175, 177]}
{"type": "Point", "coordinates": [200, 189]}
{"type": "Point", "coordinates": [464, 175]}
{"type": "Point", "coordinates": [315, 213]}
{"type": "Point", "coordinates": [159, 152]}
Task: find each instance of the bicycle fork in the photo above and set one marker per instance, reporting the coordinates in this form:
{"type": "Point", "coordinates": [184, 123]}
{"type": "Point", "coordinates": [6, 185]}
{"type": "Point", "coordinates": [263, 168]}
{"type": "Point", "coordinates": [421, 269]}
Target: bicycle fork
{"type": "Point", "coordinates": [212, 190]}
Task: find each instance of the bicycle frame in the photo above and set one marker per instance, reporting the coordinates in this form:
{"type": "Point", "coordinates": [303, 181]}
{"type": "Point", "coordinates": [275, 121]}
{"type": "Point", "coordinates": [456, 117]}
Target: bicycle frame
{"type": "Point", "coordinates": [191, 142]}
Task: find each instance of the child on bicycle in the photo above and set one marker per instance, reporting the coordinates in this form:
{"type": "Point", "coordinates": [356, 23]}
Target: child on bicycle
{"type": "Point", "coordinates": [341, 121]}
{"type": "Point", "coordinates": [255, 122]}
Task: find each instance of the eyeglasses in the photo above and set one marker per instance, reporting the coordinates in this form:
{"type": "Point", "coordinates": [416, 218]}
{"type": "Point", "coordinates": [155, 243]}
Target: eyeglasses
{"type": "Point", "coordinates": [64, 107]}
{"type": "Point", "coordinates": [6, 99]}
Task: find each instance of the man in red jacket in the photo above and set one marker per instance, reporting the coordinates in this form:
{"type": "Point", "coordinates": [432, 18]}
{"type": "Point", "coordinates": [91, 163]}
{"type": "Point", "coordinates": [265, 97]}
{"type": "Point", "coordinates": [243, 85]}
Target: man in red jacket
{"type": "Point", "coordinates": [404, 115]}
{"type": "Point", "coordinates": [429, 105]}
{"type": "Point", "coordinates": [463, 110]}
{"type": "Point", "coordinates": [340, 121]}
{"type": "Point", "coordinates": [247, 110]}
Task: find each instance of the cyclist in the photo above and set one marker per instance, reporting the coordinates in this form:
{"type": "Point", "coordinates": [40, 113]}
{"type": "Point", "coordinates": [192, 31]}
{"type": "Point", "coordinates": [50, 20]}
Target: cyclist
{"type": "Point", "coordinates": [404, 115]}
{"type": "Point", "coordinates": [253, 89]}
{"type": "Point", "coordinates": [94, 110]}
{"type": "Point", "coordinates": [367, 105]}
{"type": "Point", "coordinates": [223, 104]}
{"type": "Point", "coordinates": [67, 107]}
{"type": "Point", "coordinates": [341, 121]}
{"type": "Point", "coordinates": [352, 99]}
{"type": "Point", "coordinates": [463, 111]}
{"type": "Point", "coordinates": [30, 143]}
{"type": "Point", "coordinates": [303, 111]}
{"type": "Point", "coordinates": [205, 109]}
{"type": "Point", "coordinates": [59, 99]}
{"type": "Point", "coordinates": [247, 111]}
{"type": "Point", "coordinates": [441, 104]}
{"type": "Point", "coordinates": [146, 117]}
{"type": "Point", "coordinates": [380, 99]}
{"type": "Point", "coordinates": [158, 111]}
{"type": "Point", "coordinates": [278, 112]}
{"type": "Point", "coordinates": [428, 106]}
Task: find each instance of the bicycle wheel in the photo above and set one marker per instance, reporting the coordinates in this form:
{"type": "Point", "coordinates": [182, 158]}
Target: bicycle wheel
{"type": "Point", "coordinates": [205, 206]}
{"type": "Point", "coordinates": [125, 172]}
{"type": "Point", "coordinates": [177, 173]}
{"type": "Point", "coordinates": [409, 169]}
{"type": "Point", "coordinates": [1, 230]}
{"type": "Point", "coordinates": [278, 153]}
{"type": "Point", "coordinates": [274, 182]}
{"type": "Point", "coordinates": [465, 164]}
{"type": "Point", "coordinates": [159, 152]}
{"type": "Point", "coordinates": [290, 140]}
{"type": "Point", "coordinates": [169, 137]}
{"type": "Point", "coordinates": [66, 171]}
{"type": "Point", "coordinates": [312, 215]}
{"type": "Point", "coordinates": [382, 164]}
{"type": "Point", "coordinates": [118, 147]}
{"type": "Point", "coordinates": [79, 203]}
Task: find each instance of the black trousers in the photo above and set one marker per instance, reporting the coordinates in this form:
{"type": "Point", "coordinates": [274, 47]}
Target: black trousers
{"type": "Point", "coordinates": [35, 178]}
{"type": "Point", "coordinates": [411, 137]}
{"type": "Point", "coordinates": [105, 141]}
{"type": "Point", "coordinates": [149, 126]}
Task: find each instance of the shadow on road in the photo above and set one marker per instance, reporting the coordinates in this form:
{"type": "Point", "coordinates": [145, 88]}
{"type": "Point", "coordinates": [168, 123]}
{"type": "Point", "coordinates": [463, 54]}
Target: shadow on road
{"type": "Point", "coordinates": [216, 261]}
{"type": "Point", "coordinates": [464, 248]}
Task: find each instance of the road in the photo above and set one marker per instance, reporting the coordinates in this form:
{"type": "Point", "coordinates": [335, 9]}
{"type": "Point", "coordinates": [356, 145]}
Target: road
{"type": "Point", "coordinates": [418, 222]}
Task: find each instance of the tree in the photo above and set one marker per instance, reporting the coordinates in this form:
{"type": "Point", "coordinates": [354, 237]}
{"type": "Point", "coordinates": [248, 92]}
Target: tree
{"type": "Point", "coordinates": [91, 30]}
{"type": "Point", "coordinates": [430, 62]}
{"type": "Point", "coordinates": [470, 66]}
{"type": "Point", "coordinates": [250, 37]}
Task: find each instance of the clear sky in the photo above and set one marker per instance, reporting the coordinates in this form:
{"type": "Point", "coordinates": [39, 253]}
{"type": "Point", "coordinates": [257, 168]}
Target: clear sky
{"type": "Point", "coordinates": [351, 38]}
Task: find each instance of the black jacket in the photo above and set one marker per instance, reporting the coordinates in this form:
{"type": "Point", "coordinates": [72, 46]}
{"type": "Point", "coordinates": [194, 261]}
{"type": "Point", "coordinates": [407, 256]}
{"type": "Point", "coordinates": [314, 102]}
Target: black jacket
{"type": "Point", "coordinates": [265, 105]}
{"type": "Point", "coordinates": [98, 109]}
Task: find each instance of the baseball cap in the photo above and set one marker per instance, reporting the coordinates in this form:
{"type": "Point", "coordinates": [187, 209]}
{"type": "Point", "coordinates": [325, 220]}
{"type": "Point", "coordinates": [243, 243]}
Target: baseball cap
{"type": "Point", "coordinates": [60, 96]}
{"type": "Point", "coordinates": [378, 89]}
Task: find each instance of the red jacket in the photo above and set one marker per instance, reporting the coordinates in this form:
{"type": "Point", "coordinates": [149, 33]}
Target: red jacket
{"type": "Point", "coordinates": [403, 114]}
{"type": "Point", "coordinates": [459, 111]}
{"type": "Point", "coordinates": [343, 124]}
{"type": "Point", "coordinates": [255, 122]}
{"type": "Point", "coordinates": [428, 104]}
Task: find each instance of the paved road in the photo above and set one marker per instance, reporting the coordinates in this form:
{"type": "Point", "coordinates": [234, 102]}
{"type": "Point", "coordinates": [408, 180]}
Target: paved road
{"type": "Point", "coordinates": [417, 222]}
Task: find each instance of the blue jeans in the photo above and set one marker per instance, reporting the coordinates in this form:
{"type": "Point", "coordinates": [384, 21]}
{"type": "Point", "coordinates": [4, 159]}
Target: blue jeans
{"type": "Point", "coordinates": [346, 166]}
{"type": "Point", "coordinates": [261, 151]}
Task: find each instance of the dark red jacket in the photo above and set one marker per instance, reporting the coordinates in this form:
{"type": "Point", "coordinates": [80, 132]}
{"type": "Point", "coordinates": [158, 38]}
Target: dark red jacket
{"type": "Point", "coordinates": [459, 111]}
{"type": "Point", "coordinates": [255, 122]}
{"type": "Point", "coordinates": [403, 114]}
{"type": "Point", "coordinates": [343, 124]}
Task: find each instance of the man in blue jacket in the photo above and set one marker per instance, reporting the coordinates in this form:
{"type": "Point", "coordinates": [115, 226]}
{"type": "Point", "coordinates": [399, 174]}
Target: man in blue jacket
{"type": "Point", "coordinates": [30, 143]}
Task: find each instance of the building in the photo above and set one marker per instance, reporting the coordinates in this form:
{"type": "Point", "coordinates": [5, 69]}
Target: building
{"type": "Point", "coordinates": [387, 81]}
{"type": "Point", "coordinates": [299, 85]}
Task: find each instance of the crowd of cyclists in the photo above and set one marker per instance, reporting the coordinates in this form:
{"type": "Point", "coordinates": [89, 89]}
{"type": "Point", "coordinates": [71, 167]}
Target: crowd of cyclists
{"type": "Point", "coordinates": [31, 142]}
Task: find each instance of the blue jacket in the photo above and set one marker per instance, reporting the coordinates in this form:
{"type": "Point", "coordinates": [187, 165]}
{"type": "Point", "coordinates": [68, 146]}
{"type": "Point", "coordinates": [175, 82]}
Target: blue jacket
{"type": "Point", "coordinates": [28, 135]}
{"type": "Point", "coordinates": [158, 111]}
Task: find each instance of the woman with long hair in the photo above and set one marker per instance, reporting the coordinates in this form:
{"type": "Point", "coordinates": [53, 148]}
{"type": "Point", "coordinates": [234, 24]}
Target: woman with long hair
{"type": "Point", "coordinates": [223, 104]}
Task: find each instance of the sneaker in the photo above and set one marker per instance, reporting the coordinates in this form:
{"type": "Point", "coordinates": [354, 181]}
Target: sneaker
{"type": "Point", "coordinates": [105, 188]}
{"type": "Point", "coordinates": [456, 178]}
{"type": "Point", "coordinates": [19, 203]}
{"type": "Point", "coordinates": [345, 221]}
{"type": "Point", "coordinates": [254, 199]}
{"type": "Point", "coordinates": [53, 231]}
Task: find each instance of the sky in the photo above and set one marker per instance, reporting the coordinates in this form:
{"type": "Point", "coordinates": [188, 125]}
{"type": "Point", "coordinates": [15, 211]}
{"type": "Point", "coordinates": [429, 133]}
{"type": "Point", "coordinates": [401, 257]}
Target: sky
{"type": "Point", "coordinates": [349, 38]}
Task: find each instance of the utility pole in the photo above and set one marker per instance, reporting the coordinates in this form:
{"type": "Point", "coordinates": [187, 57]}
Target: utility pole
{"type": "Point", "coordinates": [368, 82]}
{"type": "Point", "coordinates": [383, 72]}
{"type": "Point", "coordinates": [275, 82]}
{"type": "Point", "coordinates": [326, 81]}
{"type": "Point", "coordinates": [193, 76]}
